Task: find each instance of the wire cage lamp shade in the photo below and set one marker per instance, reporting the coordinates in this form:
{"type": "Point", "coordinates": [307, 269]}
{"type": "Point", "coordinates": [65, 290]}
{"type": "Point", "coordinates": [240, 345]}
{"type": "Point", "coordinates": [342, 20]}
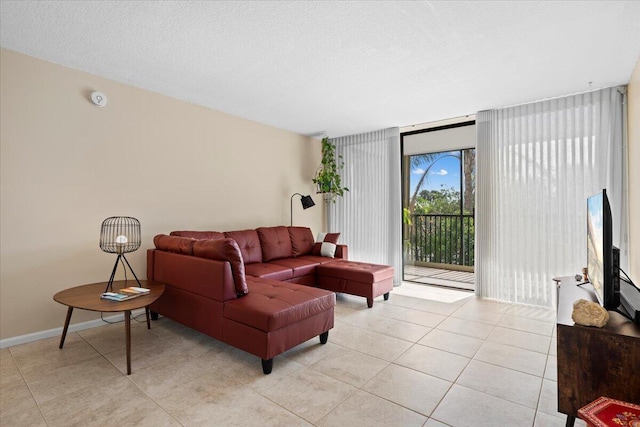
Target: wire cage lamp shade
{"type": "Point", "coordinates": [120, 235]}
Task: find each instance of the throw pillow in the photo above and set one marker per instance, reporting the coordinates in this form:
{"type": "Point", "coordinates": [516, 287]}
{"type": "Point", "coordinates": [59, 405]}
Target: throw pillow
{"type": "Point", "coordinates": [326, 245]}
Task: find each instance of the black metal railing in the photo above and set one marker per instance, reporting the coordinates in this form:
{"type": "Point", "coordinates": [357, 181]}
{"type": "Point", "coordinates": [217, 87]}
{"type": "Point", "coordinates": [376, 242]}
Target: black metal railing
{"type": "Point", "coordinates": [443, 239]}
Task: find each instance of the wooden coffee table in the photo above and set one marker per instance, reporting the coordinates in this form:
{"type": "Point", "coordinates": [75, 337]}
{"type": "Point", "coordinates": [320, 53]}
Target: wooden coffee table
{"type": "Point", "coordinates": [87, 297]}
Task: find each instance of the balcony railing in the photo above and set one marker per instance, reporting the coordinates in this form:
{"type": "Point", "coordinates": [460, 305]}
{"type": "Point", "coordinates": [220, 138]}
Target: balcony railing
{"type": "Point", "coordinates": [441, 239]}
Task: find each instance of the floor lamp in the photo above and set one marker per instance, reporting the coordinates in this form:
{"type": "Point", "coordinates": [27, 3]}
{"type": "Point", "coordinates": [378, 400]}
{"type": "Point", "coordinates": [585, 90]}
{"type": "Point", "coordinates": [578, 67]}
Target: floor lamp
{"type": "Point", "coordinates": [120, 235]}
{"type": "Point", "coordinates": [306, 201]}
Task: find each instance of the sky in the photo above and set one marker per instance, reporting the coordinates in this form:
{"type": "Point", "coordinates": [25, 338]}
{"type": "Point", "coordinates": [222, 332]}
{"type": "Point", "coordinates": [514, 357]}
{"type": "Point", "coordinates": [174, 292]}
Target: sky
{"type": "Point", "coordinates": [445, 171]}
{"type": "Point", "coordinates": [594, 205]}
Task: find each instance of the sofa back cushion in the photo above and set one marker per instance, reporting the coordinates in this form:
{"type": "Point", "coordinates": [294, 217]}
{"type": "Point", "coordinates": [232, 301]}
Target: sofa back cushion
{"type": "Point", "coordinates": [301, 240]}
{"type": "Point", "coordinates": [249, 244]}
{"type": "Point", "coordinates": [179, 245]}
{"type": "Point", "coordinates": [224, 250]}
{"type": "Point", "coordinates": [275, 242]}
{"type": "Point", "coordinates": [211, 235]}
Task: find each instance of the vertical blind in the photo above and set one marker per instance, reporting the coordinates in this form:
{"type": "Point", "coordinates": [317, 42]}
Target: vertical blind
{"type": "Point", "coordinates": [536, 166]}
{"type": "Point", "coordinates": [369, 215]}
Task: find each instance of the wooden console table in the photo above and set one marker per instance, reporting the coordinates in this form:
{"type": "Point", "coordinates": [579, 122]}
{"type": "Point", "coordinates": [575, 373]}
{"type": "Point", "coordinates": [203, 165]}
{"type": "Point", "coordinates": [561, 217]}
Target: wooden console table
{"type": "Point", "coordinates": [87, 297]}
{"type": "Point", "coordinates": [594, 362]}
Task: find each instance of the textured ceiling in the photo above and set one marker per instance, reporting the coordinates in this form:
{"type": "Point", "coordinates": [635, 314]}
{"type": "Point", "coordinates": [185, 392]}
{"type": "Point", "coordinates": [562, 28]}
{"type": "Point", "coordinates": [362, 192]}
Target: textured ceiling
{"type": "Point", "coordinates": [337, 67]}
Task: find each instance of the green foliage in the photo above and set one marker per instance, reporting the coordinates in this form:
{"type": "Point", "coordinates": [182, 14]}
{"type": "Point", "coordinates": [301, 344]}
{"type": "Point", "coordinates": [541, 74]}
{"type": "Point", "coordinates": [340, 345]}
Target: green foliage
{"type": "Point", "coordinates": [443, 201]}
{"type": "Point", "coordinates": [428, 161]}
{"type": "Point", "coordinates": [327, 179]}
{"type": "Point", "coordinates": [438, 232]}
{"type": "Point", "coordinates": [442, 230]}
{"type": "Point", "coordinates": [406, 216]}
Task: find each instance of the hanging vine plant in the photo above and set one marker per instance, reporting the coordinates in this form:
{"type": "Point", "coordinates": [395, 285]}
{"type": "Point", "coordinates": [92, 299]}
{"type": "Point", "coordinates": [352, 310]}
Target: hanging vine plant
{"type": "Point", "coordinates": [327, 179]}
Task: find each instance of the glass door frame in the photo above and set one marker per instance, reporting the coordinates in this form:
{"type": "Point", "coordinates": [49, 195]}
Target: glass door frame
{"type": "Point", "coordinates": [406, 180]}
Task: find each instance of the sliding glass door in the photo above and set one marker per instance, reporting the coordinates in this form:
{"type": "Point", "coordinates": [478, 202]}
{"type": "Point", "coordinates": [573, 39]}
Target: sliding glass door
{"type": "Point", "coordinates": [438, 220]}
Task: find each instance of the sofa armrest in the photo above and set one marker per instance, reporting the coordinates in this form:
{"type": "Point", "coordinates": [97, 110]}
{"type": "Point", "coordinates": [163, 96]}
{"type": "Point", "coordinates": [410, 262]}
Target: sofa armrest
{"type": "Point", "coordinates": [342, 251]}
{"type": "Point", "coordinates": [201, 276]}
{"type": "Point", "coordinates": [150, 261]}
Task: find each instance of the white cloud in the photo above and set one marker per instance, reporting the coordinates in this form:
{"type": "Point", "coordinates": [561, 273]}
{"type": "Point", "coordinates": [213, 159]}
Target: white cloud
{"type": "Point", "coordinates": [418, 171]}
{"type": "Point", "coordinates": [441, 172]}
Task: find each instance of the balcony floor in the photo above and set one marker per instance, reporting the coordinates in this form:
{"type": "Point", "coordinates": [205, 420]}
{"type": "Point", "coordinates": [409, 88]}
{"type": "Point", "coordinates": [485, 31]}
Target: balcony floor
{"type": "Point", "coordinates": [439, 276]}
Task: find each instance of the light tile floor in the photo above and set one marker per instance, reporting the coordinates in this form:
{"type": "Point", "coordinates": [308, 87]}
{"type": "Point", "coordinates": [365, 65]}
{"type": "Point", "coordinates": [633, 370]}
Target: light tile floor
{"type": "Point", "coordinates": [426, 357]}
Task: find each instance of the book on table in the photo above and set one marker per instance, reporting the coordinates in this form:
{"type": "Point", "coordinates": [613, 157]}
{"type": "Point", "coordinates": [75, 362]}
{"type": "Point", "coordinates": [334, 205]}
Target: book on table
{"type": "Point", "coordinates": [125, 294]}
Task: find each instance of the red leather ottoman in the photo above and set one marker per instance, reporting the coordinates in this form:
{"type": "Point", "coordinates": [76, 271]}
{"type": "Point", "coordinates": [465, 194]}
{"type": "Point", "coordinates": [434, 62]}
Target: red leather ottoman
{"type": "Point", "coordinates": [356, 278]}
{"type": "Point", "coordinates": [276, 316]}
{"type": "Point", "coordinates": [604, 412]}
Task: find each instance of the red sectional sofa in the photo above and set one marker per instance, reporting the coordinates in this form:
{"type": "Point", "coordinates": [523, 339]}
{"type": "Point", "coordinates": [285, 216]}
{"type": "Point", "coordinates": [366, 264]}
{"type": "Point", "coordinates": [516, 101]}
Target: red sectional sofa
{"type": "Point", "coordinates": [258, 290]}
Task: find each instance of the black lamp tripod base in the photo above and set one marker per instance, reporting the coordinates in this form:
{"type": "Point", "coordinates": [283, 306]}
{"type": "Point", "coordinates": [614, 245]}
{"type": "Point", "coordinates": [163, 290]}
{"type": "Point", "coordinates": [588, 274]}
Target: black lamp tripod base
{"type": "Point", "coordinates": [113, 273]}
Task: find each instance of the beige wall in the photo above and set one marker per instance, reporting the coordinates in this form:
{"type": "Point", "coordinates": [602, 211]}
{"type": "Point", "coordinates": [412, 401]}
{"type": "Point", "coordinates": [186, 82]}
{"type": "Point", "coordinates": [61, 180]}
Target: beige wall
{"type": "Point", "coordinates": [66, 165]}
{"type": "Point", "coordinates": [634, 173]}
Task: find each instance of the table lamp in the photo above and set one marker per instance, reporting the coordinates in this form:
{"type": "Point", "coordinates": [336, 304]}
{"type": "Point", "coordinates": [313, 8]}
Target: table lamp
{"type": "Point", "coordinates": [120, 235]}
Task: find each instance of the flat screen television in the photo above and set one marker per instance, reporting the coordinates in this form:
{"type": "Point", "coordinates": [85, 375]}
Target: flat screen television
{"type": "Point", "coordinates": [603, 259]}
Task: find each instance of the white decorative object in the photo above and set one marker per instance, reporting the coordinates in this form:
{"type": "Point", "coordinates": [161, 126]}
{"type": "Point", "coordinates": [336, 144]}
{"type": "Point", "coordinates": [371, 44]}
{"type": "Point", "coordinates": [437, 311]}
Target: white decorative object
{"type": "Point", "coordinates": [588, 313]}
{"type": "Point", "coordinates": [99, 99]}
{"type": "Point", "coordinates": [327, 249]}
{"type": "Point", "coordinates": [120, 243]}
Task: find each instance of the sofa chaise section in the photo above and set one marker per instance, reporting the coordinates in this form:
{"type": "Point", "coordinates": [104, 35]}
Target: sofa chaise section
{"type": "Point", "coordinates": [206, 289]}
{"type": "Point", "coordinates": [276, 316]}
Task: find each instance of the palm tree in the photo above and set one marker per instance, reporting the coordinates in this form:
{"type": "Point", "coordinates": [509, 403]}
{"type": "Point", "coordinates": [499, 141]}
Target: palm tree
{"type": "Point", "coordinates": [469, 169]}
{"type": "Point", "coordinates": [418, 161]}
{"type": "Point", "coordinates": [416, 251]}
{"type": "Point", "coordinates": [468, 158]}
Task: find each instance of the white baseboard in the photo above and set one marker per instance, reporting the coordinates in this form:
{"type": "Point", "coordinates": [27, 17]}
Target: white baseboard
{"type": "Point", "coordinates": [35, 336]}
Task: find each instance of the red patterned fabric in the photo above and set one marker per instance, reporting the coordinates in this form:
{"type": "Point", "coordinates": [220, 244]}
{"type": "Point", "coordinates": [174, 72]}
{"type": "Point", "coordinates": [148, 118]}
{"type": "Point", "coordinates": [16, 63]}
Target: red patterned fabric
{"type": "Point", "coordinates": [605, 412]}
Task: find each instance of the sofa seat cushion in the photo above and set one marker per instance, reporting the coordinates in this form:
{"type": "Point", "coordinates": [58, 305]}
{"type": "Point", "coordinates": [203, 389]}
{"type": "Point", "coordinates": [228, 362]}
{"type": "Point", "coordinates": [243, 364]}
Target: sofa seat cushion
{"type": "Point", "coordinates": [275, 243]}
{"type": "Point", "coordinates": [300, 267]}
{"type": "Point", "coordinates": [271, 305]}
{"type": "Point", "coordinates": [356, 271]}
{"type": "Point", "coordinates": [318, 259]}
{"type": "Point", "coordinates": [269, 271]}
